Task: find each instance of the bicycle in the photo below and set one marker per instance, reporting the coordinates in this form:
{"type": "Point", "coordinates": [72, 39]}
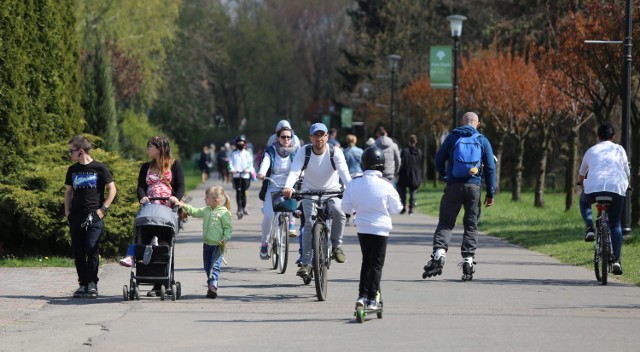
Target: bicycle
{"type": "Point", "coordinates": [321, 249]}
{"type": "Point", "coordinates": [603, 256]}
{"type": "Point", "coordinates": [278, 249]}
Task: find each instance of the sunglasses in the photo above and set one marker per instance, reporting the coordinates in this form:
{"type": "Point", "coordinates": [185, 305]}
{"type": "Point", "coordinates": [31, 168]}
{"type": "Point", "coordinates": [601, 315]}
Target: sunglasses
{"type": "Point", "coordinates": [285, 137]}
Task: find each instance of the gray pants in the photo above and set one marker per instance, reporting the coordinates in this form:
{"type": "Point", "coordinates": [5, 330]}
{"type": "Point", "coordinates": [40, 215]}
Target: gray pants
{"type": "Point", "coordinates": [455, 197]}
{"type": "Point", "coordinates": [338, 221]}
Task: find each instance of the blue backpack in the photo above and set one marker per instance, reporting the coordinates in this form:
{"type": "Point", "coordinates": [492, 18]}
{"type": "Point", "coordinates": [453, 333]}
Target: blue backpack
{"type": "Point", "coordinates": [467, 154]}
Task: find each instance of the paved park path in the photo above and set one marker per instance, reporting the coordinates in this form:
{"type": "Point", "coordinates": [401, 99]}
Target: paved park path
{"type": "Point", "coordinates": [518, 301]}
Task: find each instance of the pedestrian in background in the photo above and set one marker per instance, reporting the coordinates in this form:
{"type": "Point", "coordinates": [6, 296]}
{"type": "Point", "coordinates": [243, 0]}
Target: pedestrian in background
{"type": "Point", "coordinates": [352, 155]}
{"type": "Point", "coordinates": [205, 163]}
{"type": "Point", "coordinates": [410, 174]}
{"type": "Point", "coordinates": [85, 206]}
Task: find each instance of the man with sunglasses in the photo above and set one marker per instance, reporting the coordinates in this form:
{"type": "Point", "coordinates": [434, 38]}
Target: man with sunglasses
{"type": "Point", "coordinates": [322, 173]}
{"type": "Point", "coordinates": [84, 207]}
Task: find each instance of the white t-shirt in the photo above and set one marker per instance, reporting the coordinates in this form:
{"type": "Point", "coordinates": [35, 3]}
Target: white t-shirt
{"type": "Point", "coordinates": [319, 174]}
{"type": "Point", "coordinates": [606, 169]}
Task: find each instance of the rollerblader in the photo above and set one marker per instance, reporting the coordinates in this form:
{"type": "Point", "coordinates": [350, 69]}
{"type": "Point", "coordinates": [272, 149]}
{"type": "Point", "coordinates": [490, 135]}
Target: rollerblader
{"type": "Point", "coordinates": [464, 158]}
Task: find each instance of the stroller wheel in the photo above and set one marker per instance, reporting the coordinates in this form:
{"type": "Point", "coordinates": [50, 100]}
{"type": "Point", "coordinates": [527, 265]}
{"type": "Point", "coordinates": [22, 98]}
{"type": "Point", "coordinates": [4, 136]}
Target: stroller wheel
{"type": "Point", "coordinates": [125, 293]}
{"type": "Point", "coordinates": [136, 293]}
{"type": "Point", "coordinates": [173, 292]}
{"type": "Point", "coordinates": [163, 293]}
{"type": "Point", "coordinates": [178, 290]}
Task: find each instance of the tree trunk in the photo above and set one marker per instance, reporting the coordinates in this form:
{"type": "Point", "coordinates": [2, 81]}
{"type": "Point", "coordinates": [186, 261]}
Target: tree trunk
{"type": "Point", "coordinates": [570, 173]}
{"type": "Point", "coordinates": [634, 158]}
{"type": "Point", "coordinates": [516, 178]}
{"type": "Point", "coordinates": [538, 200]}
{"type": "Point", "coordinates": [497, 152]}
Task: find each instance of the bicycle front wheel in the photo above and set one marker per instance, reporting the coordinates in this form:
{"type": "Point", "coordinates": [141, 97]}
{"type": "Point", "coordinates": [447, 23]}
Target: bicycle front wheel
{"type": "Point", "coordinates": [605, 251]}
{"type": "Point", "coordinates": [319, 248]}
{"type": "Point", "coordinates": [273, 244]}
{"type": "Point", "coordinates": [283, 244]}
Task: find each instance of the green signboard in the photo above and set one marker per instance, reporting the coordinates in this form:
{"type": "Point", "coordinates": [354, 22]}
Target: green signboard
{"type": "Point", "coordinates": [346, 115]}
{"type": "Point", "coordinates": [440, 67]}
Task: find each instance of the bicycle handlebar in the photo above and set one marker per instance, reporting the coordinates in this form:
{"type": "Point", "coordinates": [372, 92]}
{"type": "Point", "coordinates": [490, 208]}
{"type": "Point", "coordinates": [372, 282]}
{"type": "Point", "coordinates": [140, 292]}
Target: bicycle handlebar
{"type": "Point", "coordinates": [329, 194]}
{"type": "Point", "coordinates": [271, 181]}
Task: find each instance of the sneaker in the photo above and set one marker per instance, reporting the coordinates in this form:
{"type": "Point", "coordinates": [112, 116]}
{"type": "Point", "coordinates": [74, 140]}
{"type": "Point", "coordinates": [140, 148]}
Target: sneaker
{"type": "Point", "coordinates": [410, 211]}
{"type": "Point", "coordinates": [304, 271]}
{"type": "Point", "coordinates": [212, 291]}
{"type": "Point", "coordinates": [126, 261]}
{"type": "Point", "coordinates": [292, 229]}
{"type": "Point", "coordinates": [360, 302]}
{"type": "Point", "coordinates": [155, 292]}
{"type": "Point", "coordinates": [589, 235]}
{"type": "Point", "coordinates": [299, 261]}
{"type": "Point", "coordinates": [372, 304]}
{"type": "Point", "coordinates": [154, 241]}
{"type": "Point", "coordinates": [245, 212]}
{"type": "Point", "coordinates": [80, 292]}
{"type": "Point", "coordinates": [92, 290]}
{"type": "Point", "coordinates": [264, 253]}
{"type": "Point", "coordinates": [403, 211]}
{"type": "Point", "coordinates": [617, 268]}
{"type": "Point", "coordinates": [339, 255]}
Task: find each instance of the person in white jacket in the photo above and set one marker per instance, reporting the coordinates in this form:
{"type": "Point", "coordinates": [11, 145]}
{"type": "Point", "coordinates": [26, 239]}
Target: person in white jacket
{"type": "Point", "coordinates": [322, 173]}
{"type": "Point", "coordinates": [241, 167]}
{"type": "Point", "coordinates": [374, 199]}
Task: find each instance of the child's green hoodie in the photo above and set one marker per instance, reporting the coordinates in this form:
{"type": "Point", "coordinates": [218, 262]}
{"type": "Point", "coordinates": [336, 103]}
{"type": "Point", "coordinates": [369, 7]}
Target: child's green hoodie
{"type": "Point", "coordinates": [216, 226]}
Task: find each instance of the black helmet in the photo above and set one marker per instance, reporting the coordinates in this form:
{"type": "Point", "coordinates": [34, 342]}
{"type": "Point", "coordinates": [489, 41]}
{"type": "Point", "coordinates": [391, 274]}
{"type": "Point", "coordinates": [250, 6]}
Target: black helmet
{"type": "Point", "coordinates": [372, 159]}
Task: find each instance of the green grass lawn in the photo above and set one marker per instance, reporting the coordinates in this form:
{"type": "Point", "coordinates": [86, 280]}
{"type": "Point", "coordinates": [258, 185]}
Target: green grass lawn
{"type": "Point", "coordinates": [549, 230]}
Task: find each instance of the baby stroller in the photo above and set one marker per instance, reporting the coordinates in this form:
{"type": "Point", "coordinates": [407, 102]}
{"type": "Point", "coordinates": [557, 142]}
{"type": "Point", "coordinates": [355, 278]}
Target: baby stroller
{"type": "Point", "coordinates": [153, 264]}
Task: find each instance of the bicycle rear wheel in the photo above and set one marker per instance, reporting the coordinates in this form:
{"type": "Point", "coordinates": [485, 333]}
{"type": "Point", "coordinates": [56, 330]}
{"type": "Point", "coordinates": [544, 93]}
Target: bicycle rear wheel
{"type": "Point", "coordinates": [605, 251]}
{"type": "Point", "coordinates": [596, 261]}
{"type": "Point", "coordinates": [283, 244]}
{"type": "Point", "coordinates": [273, 244]}
{"type": "Point", "coordinates": [319, 248]}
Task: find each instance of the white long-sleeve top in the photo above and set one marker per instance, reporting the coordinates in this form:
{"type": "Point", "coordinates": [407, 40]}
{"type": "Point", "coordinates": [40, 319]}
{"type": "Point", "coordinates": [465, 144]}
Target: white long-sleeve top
{"type": "Point", "coordinates": [319, 174]}
{"type": "Point", "coordinates": [374, 199]}
{"type": "Point", "coordinates": [279, 168]}
{"type": "Point", "coordinates": [606, 168]}
{"type": "Point", "coordinates": [241, 160]}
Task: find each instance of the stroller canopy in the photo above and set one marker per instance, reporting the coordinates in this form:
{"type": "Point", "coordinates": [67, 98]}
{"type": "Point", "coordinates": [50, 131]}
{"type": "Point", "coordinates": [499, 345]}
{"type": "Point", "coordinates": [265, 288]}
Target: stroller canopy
{"type": "Point", "coordinates": [157, 215]}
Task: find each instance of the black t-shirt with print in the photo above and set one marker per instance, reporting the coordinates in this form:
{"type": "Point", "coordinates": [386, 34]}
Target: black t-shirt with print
{"type": "Point", "coordinates": [88, 182]}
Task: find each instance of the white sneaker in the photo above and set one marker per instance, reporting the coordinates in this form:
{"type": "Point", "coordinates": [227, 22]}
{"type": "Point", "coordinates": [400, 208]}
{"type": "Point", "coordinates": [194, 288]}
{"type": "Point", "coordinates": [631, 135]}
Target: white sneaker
{"type": "Point", "coordinates": [154, 241]}
{"type": "Point", "coordinates": [126, 261]}
{"type": "Point", "coordinates": [372, 304]}
{"type": "Point", "coordinates": [360, 302]}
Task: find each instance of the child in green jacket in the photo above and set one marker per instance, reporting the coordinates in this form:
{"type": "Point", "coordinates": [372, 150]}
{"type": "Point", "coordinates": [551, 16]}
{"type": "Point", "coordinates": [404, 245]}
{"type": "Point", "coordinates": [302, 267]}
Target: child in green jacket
{"type": "Point", "coordinates": [216, 231]}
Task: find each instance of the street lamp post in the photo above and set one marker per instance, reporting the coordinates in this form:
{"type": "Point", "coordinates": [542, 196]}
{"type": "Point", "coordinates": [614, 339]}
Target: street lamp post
{"type": "Point", "coordinates": [393, 66]}
{"type": "Point", "coordinates": [626, 111]}
{"type": "Point", "coordinates": [456, 30]}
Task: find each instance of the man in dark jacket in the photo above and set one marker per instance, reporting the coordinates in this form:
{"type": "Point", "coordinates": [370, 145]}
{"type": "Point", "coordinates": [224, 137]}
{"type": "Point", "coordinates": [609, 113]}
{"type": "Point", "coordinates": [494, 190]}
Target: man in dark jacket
{"type": "Point", "coordinates": [461, 192]}
{"type": "Point", "coordinates": [410, 174]}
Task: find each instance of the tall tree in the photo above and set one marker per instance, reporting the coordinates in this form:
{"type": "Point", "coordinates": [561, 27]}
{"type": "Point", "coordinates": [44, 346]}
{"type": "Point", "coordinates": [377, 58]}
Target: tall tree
{"type": "Point", "coordinates": [39, 100]}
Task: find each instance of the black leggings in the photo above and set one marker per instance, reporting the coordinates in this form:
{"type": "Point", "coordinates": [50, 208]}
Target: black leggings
{"type": "Point", "coordinates": [241, 185]}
